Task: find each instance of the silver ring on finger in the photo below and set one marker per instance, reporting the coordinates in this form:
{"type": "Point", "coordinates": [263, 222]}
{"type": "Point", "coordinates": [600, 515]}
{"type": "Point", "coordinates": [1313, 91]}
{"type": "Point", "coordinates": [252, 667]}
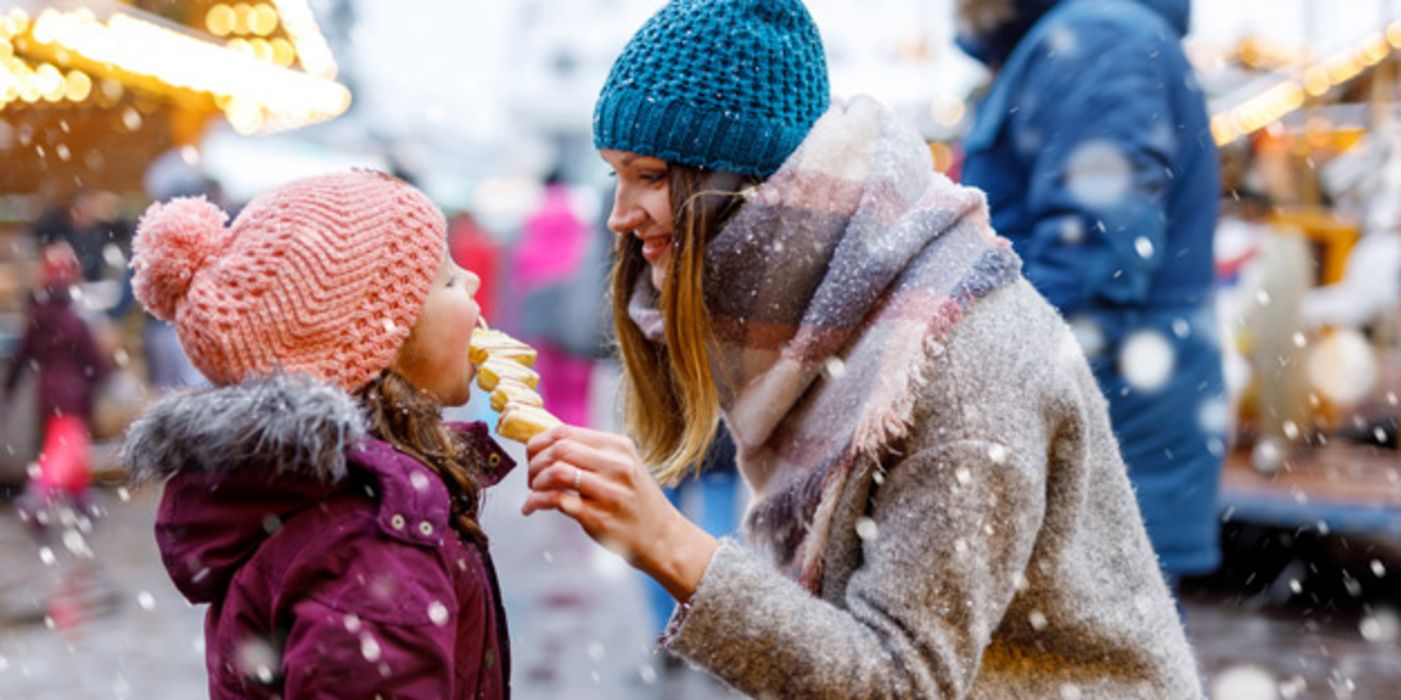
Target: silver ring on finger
{"type": "Point", "coordinates": [578, 474]}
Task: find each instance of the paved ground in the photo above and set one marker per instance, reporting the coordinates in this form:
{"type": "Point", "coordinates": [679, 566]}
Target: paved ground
{"type": "Point", "coordinates": [110, 625]}
{"type": "Point", "coordinates": [90, 614]}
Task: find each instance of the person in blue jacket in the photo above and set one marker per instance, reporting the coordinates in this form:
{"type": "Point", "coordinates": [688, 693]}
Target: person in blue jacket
{"type": "Point", "coordinates": [1094, 148]}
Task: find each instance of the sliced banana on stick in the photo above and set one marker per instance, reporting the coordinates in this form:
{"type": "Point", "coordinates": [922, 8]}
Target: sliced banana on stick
{"type": "Point", "coordinates": [512, 392]}
{"type": "Point", "coordinates": [503, 368]}
{"type": "Point", "coordinates": [488, 343]}
{"type": "Point", "coordinates": [520, 422]}
{"type": "Point", "coordinates": [494, 371]}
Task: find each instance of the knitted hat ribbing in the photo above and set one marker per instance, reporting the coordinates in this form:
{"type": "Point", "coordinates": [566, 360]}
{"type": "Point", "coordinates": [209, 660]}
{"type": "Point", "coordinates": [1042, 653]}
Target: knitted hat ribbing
{"type": "Point", "coordinates": [324, 275]}
{"type": "Point", "coordinates": [729, 85]}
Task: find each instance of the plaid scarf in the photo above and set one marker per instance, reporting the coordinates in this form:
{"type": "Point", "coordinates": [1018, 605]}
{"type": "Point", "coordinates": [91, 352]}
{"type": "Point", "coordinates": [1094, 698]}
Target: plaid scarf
{"type": "Point", "coordinates": [830, 292]}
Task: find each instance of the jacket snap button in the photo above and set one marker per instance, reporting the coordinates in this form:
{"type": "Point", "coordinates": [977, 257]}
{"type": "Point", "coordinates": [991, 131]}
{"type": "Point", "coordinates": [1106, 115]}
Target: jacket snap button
{"type": "Point", "coordinates": [425, 527]}
{"type": "Point", "coordinates": [397, 522]}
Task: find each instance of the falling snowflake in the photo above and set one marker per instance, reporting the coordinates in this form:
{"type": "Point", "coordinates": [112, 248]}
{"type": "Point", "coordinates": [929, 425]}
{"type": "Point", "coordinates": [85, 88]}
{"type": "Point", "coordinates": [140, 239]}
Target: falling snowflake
{"type": "Point", "coordinates": [256, 658]}
{"type": "Point", "coordinates": [438, 613]}
{"type": "Point", "coordinates": [1378, 569]}
{"type": "Point", "coordinates": [369, 648]}
{"type": "Point", "coordinates": [1144, 247]}
{"type": "Point", "coordinates": [131, 119]}
{"type": "Point", "coordinates": [1062, 40]}
{"type": "Point", "coordinates": [1147, 360]}
{"type": "Point", "coordinates": [835, 368]}
{"type": "Point", "coordinates": [1342, 367]}
{"type": "Point", "coordinates": [1292, 688]}
{"type": "Point", "coordinates": [73, 541]}
{"type": "Point", "coordinates": [1381, 627]}
{"type": "Point", "coordinates": [1037, 620]}
{"type": "Point", "coordinates": [866, 529]}
{"type": "Point", "coordinates": [1214, 415]}
{"type": "Point", "coordinates": [595, 650]}
{"type": "Point", "coordinates": [997, 453]}
{"type": "Point", "coordinates": [1267, 456]}
{"type": "Point", "coordinates": [1291, 430]}
{"type": "Point", "coordinates": [1098, 174]}
{"type": "Point", "coordinates": [1072, 230]}
{"type": "Point", "coordinates": [1089, 335]}
{"type": "Point", "coordinates": [1244, 683]}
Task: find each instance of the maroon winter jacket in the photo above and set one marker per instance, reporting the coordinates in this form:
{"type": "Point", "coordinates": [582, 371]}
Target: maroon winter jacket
{"type": "Point", "coordinates": [325, 577]}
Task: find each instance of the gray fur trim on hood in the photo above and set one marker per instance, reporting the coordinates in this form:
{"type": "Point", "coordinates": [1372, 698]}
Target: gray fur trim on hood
{"type": "Point", "coordinates": [283, 423]}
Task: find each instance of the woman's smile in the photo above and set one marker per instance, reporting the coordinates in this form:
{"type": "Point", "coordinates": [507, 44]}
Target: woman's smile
{"type": "Point", "coordinates": [654, 248]}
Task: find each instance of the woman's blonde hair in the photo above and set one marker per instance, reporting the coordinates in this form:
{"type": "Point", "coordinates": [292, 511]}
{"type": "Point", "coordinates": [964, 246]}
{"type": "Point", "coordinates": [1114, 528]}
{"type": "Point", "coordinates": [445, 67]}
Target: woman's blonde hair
{"type": "Point", "coordinates": [670, 403]}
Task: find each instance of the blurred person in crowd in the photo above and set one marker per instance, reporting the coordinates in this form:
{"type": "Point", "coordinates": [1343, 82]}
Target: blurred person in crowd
{"type": "Point", "coordinates": [548, 274]}
{"type": "Point", "coordinates": [60, 347]}
{"type": "Point", "coordinates": [315, 498]}
{"type": "Point", "coordinates": [940, 509]}
{"type": "Point", "coordinates": [94, 225]}
{"type": "Point", "coordinates": [473, 248]}
{"type": "Point", "coordinates": [1095, 152]}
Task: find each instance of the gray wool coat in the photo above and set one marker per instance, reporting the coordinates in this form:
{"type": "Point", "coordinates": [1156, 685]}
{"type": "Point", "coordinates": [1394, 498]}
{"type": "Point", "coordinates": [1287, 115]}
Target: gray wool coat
{"type": "Point", "coordinates": [1003, 556]}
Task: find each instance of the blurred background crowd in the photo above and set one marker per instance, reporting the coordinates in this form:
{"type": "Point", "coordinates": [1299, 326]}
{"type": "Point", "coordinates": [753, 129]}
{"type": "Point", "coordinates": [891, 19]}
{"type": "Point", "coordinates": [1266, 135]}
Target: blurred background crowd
{"type": "Point", "coordinates": [106, 106]}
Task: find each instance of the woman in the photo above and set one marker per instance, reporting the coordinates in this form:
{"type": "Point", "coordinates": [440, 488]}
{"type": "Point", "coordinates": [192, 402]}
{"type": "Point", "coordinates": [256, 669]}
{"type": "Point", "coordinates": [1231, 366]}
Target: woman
{"type": "Point", "coordinates": [939, 505]}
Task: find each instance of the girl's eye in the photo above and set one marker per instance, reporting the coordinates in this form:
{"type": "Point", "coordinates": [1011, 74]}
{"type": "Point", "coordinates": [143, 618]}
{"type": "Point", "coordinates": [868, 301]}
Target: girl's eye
{"type": "Point", "coordinates": [652, 177]}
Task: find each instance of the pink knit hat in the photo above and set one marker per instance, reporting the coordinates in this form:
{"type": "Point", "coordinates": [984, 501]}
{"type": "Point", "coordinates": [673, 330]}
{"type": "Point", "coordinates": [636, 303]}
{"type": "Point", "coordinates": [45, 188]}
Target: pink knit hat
{"type": "Point", "coordinates": [324, 275]}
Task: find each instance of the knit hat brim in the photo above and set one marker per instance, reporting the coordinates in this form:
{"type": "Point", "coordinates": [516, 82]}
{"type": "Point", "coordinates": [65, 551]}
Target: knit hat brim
{"type": "Point", "coordinates": [632, 121]}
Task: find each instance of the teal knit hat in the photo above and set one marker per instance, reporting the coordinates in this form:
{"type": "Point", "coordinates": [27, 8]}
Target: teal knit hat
{"type": "Point", "coordinates": [729, 85]}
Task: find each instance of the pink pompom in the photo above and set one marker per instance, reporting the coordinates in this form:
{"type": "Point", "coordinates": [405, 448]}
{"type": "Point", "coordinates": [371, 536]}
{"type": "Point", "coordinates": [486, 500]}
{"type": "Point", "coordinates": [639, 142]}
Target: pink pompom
{"type": "Point", "coordinates": [173, 241]}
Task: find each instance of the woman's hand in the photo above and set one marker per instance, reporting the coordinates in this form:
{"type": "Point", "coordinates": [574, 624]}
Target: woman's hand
{"type": "Point", "coordinates": [598, 479]}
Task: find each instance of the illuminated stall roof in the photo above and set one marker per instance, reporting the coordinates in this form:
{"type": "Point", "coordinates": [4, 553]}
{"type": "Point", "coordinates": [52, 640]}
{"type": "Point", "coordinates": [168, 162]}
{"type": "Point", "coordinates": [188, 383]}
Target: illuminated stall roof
{"type": "Point", "coordinates": [275, 73]}
{"type": "Point", "coordinates": [1265, 102]}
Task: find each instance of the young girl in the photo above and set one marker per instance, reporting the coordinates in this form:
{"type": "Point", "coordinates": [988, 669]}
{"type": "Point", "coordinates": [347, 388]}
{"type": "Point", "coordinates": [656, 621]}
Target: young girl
{"type": "Point", "coordinates": [314, 498]}
{"type": "Point", "coordinates": [940, 510]}
{"type": "Point", "coordinates": [60, 346]}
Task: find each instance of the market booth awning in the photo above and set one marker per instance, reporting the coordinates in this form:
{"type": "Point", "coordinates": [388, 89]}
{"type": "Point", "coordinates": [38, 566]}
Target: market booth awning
{"type": "Point", "coordinates": [92, 90]}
